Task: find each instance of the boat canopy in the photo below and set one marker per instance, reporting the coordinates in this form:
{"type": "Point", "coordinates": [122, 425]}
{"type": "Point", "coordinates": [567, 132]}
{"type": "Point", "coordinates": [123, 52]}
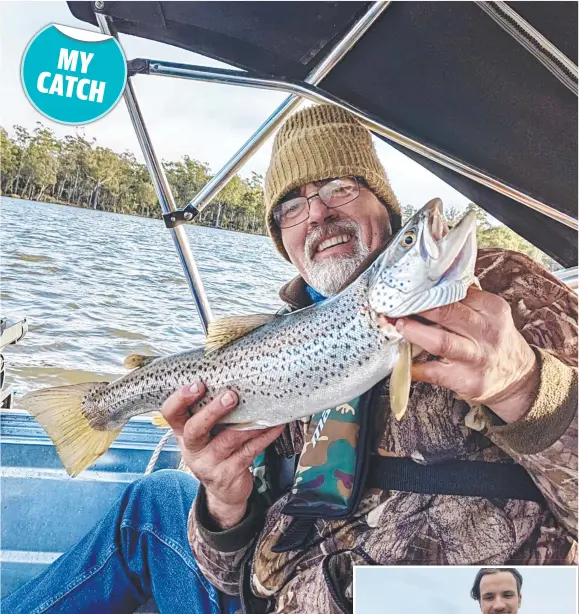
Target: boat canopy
{"type": "Point", "coordinates": [491, 84]}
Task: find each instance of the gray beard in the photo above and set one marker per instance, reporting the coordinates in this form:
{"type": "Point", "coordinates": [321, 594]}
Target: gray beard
{"type": "Point", "coordinates": [329, 276]}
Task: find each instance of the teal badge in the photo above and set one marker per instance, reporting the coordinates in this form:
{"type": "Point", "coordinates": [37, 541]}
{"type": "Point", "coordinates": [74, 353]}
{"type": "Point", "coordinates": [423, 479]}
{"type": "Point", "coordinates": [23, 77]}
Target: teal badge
{"type": "Point", "coordinates": [73, 76]}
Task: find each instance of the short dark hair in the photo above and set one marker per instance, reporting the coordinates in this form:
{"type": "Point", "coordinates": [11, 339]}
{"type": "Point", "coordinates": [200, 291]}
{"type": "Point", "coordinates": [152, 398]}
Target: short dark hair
{"type": "Point", "coordinates": [485, 571]}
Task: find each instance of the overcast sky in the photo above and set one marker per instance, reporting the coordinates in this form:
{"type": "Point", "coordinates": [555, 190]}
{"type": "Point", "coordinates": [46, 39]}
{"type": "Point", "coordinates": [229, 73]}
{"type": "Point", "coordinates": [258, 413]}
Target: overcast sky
{"type": "Point", "coordinates": [205, 121]}
{"type": "Point", "coordinates": [424, 590]}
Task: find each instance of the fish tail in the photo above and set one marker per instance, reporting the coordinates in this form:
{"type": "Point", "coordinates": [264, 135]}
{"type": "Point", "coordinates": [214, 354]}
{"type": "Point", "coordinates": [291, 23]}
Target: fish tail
{"type": "Point", "coordinates": [59, 412]}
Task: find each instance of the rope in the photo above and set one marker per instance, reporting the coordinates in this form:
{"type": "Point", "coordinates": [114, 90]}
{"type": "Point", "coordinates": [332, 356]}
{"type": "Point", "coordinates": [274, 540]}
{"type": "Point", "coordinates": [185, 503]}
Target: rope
{"type": "Point", "coordinates": [157, 451]}
{"type": "Point", "coordinates": [183, 467]}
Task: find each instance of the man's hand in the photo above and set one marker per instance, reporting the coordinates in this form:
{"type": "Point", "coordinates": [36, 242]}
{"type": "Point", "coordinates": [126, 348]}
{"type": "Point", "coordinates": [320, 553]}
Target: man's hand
{"type": "Point", "coordinates": [221, 464]}
{"type": "Point", "coordinates": [483, 357]}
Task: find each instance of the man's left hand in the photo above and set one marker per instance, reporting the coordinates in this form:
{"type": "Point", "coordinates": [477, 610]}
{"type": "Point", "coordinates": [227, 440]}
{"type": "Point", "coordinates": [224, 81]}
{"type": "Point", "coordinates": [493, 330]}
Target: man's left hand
{"type": "Point", "coordinates": [483, 358]}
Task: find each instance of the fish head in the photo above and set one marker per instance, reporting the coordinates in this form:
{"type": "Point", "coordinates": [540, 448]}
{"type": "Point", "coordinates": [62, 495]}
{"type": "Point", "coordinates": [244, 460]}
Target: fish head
{"type": "Point", "coordinates": [425, 265]}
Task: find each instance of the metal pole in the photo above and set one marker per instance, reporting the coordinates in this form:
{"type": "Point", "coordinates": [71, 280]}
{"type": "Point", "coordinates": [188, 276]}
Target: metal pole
{"type": "Point", "coordinates": [164, 193]}
{"type": "Point", "coordinates": [219, 181]}
{"type": "Point", "coordinates": [235, 77]}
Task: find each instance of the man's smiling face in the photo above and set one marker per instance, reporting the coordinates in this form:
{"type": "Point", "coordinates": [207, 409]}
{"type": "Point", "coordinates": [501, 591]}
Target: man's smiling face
{"type": "Point", "coordinates": [499, 594]}
{"type": "Point", "coordinates": [330, 245]}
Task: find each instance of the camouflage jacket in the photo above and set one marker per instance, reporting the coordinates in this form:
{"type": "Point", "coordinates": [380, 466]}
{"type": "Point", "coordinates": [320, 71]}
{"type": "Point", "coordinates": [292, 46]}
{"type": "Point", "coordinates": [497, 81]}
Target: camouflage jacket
{"type": "Point", "coordinates": [393, 527]}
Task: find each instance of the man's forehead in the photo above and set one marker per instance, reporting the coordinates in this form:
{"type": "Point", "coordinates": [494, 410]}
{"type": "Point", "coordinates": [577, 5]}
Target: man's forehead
{"type": "Point", "coordinates": [502, 580]}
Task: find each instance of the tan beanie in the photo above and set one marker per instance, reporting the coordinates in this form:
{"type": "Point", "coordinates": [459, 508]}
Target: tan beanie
{"type": "Point", "coordinates": [317, 143]}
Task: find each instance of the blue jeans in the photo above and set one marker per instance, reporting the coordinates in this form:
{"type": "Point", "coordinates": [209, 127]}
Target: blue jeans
{"type": "Point", "coordinates": [137, 551]}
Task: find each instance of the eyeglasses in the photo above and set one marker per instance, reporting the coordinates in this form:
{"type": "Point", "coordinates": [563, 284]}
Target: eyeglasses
{"type": "Point", "coordinates": [334, 193]}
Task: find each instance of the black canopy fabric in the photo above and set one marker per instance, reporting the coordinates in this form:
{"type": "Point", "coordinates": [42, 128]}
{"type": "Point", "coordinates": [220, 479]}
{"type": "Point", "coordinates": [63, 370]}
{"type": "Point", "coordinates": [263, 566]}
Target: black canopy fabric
{"type": "Point", "coordinates": [444, 73]}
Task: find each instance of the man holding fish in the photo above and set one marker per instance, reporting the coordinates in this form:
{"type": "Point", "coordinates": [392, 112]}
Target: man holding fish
{"type": "Point", "coordinates": [467, 455]}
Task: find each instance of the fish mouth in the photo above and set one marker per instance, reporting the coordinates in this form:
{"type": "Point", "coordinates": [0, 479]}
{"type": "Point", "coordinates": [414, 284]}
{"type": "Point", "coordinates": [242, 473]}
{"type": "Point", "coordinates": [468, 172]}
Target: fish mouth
{"type": "Point", "coordinates": [449, 257]}
{"type": "Point", "coordinates": [456, 267]}
{"type": "Point", "coordinates": [448, 254]}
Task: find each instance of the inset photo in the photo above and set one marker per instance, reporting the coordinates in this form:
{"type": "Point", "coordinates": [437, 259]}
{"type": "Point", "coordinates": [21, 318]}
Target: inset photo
{"type": "Point", "coordinates": [465, 590]}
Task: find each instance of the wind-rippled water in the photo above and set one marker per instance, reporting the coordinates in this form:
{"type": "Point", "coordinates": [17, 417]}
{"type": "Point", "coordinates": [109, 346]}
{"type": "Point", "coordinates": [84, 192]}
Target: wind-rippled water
{"type": "Point", "coordinates": [96, 287]}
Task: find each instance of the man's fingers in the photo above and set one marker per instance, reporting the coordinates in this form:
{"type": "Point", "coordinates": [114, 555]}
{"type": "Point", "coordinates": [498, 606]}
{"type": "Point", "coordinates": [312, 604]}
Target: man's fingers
{"type": "Point", "coordinates": [485, 303]}
{"type": "Point", "coordinates": [245, 455]}
{"type": "Point", "coordinates": [230, 453]}
{"type": "Point", "coordinates": [437, 341]}
{"type": "Point", "coordinates": [451, 376]}
{"type": "Point", "coordinates": [456, 317]}
{"type": "Point", "coordinates": [196, 432]}
{"type": "Point", "coordinates": [227, 443]}
{"type": "Point", "coordinates": [434, 372]}
{"type": "Point", "coordinates": [175, 408]}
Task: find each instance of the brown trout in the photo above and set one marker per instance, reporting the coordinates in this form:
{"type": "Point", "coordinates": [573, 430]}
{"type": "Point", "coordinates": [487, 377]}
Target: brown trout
{"type": "Point", "coordinates": [283, 367]}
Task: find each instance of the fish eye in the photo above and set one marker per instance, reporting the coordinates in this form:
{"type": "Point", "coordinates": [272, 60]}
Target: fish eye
{"type": "Point", "coordinates": [408, 239]}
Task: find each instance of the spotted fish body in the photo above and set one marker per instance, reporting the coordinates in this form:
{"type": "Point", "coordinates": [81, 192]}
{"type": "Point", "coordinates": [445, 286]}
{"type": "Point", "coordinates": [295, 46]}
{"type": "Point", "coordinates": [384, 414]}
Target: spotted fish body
{"type": "Point", "coordinates": [303, 362]}
{"type": "Point", "coordinates": [293, 366]}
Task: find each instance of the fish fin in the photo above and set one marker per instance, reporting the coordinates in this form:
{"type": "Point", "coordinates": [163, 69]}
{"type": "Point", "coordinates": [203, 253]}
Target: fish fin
{"type": "Point", "coordinates": [159, 421]}
{"type": "Point", "coordinates": [136, 361]}
{"type": "Point", "coordinates": [400, 381]}
{"type": "Point", "coordinates": [246, 426]}
{"type": "Point", "coordinates": [226, 330]}
{"type": "Point", "coordinates": [59, 412]}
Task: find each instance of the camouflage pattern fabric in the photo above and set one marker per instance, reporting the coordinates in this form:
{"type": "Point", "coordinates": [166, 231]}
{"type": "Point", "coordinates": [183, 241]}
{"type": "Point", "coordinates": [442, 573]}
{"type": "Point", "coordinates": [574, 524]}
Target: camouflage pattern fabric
{"type": "Point", "coordinates": [392, 527]}
{"type": "Point", "coordinates": [261, 479]}
{"type": "Point", "coordinates": [325, 473]}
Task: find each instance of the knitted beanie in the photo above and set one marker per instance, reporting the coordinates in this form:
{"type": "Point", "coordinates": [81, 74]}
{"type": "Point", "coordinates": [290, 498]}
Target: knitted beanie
{"type": "Point", "coordinates": [323, 142]}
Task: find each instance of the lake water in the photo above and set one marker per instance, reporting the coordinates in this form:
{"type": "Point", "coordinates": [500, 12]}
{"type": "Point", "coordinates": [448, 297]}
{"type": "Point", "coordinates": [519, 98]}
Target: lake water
{"type": "Point", "coordinates": [96, 287]}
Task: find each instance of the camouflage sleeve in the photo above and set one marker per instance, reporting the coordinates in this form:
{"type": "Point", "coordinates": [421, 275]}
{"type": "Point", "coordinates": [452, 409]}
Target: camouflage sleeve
{"type": "Point", "coordinates": [219, 554]}
{"type": "Point", "coordinates": [544, 441]}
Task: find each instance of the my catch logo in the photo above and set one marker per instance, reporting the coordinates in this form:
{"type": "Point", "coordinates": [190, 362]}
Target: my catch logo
{"type": "Point", "coordinates": [73, 76]}
{"type": "Point", "coordinates": [320, 427]}
{"type": "Point", "coordinates": [75, 86]}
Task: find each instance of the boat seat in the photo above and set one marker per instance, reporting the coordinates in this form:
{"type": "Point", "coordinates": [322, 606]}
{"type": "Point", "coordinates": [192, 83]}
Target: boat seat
{"type": "Point", "coordinates": [37, 494]}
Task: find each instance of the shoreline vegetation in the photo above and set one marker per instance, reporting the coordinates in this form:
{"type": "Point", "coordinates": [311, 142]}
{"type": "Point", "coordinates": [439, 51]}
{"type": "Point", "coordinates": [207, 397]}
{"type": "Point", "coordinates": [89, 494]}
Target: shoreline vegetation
{"type": "Point", "coordinates": [75, 171]}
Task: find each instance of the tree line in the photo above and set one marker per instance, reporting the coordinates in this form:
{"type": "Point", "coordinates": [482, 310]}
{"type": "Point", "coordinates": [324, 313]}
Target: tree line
{"type": "Point", "coordinates": [36, 165]}
{"type": "Point", "coordinates": [75, 171]}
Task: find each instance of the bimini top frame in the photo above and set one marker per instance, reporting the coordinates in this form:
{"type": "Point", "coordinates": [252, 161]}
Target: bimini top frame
{"type": "Point", "coordinates": [548, 222]}
{"type": "Point", "coordinates": [213, 187]}
{"type": "Point", "coordinates": [315, 94]}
